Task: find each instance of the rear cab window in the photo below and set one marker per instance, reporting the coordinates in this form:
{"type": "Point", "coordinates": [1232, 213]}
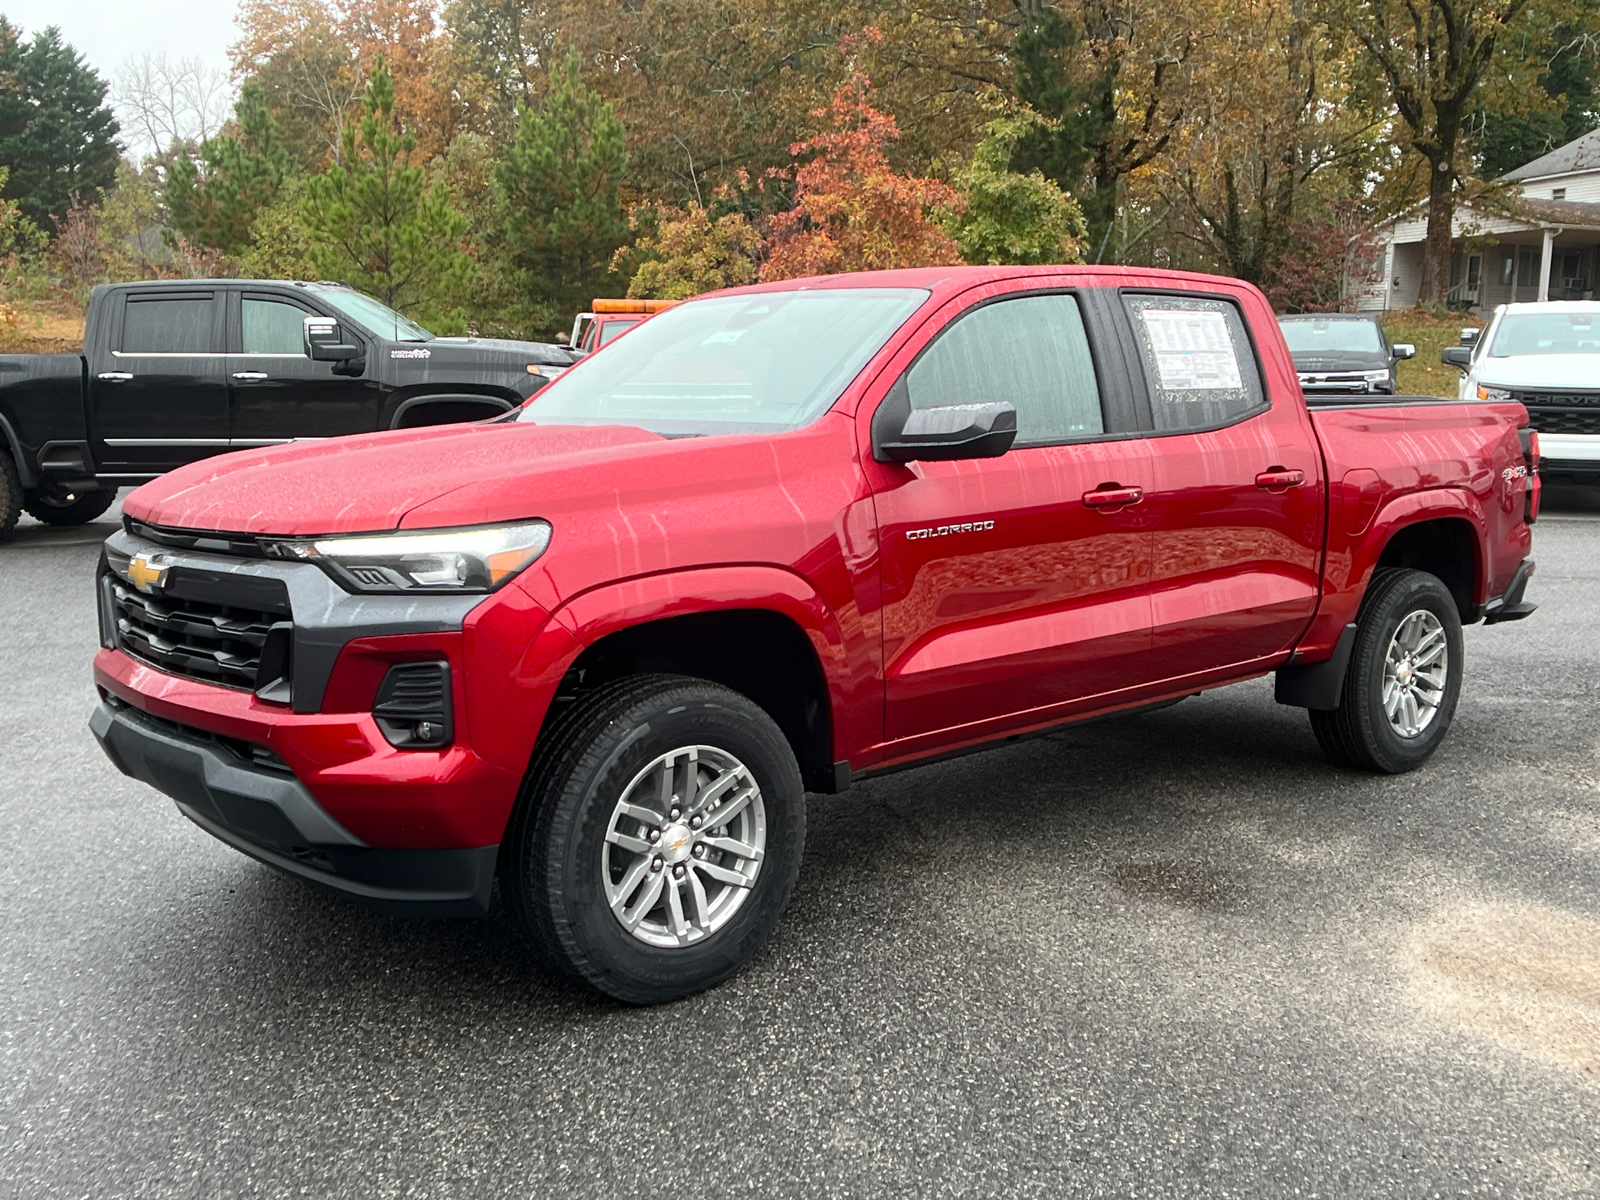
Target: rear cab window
{"type": "Point", "coordinates": [170, 324]}
{"type": "Point", "coordinates": [1199, 365]}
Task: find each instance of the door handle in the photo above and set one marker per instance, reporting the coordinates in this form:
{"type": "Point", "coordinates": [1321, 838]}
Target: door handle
{"type": "Point", "coordinates": [1277, 479]}
{"type": "Point", "coordinates": [115, 376]}
{"type": "Point", "coordinates": [249, 376]}
{"type": "Point", "coordinates": [1110, 495]}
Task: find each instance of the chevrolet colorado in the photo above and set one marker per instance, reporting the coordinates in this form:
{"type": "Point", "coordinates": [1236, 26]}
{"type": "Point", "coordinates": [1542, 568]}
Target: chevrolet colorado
{"type": "Point", "coordinates": [777, 539]}
{"type": "Point", "coordinates": [176, 371]}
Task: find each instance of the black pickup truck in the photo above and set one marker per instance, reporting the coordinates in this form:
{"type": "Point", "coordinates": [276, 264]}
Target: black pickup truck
{"type": "Point", "coordinates": [172, 372]}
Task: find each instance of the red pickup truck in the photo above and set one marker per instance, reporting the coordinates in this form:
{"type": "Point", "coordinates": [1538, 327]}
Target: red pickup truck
{"type": "Point", "coordinates": [781, 538]}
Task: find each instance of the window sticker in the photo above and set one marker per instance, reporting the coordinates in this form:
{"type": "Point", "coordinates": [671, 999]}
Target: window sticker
{"type": "Point", "coordinates": [1193, 349]}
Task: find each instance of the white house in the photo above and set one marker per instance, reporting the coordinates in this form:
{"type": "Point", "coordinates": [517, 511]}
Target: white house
{"type": "Point", "coordinates": [1548, 251]}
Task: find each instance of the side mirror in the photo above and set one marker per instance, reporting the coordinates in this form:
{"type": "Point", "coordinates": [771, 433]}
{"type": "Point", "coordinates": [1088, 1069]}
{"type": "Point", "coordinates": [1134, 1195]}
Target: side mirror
{"type": "Point", "coordinates": [1404, 350]}
{"type": "Point", "coordinates": [941, 434]}
{"type": "Point", "coordinates": [1457, 356]}
{"type": "Point", "coordinates": [325, 341]}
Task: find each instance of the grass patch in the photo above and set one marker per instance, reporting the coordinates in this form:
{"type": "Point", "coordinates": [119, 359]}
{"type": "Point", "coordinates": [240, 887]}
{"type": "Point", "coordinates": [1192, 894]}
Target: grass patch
{"type": "Point", "coordinates": [1425, 375]}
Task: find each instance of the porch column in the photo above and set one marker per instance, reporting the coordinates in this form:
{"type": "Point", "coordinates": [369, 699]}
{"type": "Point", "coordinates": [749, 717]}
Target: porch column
{"type": "Point", "coordinates": [1544, 263]}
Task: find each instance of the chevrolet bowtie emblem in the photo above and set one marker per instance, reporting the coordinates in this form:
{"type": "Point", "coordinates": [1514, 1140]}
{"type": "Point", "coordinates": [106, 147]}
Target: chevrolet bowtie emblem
{"type": "Point", "coordinates": [148, 571]}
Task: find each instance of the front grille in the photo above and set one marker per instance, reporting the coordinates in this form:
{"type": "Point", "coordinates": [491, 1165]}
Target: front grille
{"type": "Point", "coordinates": [198, 639]}
{"type": "Point", "coordinates": [1566, 399]}
{"type": "Point", "coordinates": [1564, 420]}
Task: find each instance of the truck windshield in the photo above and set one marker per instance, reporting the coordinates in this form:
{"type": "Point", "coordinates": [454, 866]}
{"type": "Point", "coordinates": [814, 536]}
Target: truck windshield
{"type": "Point", "coordinates": [376, 317]}
{"type": "Point", "coordinates": [730, 364]}
{"type": "Point", "coordinates": [1309, 335]}
{"type": "Point", "coordinates": [1546, 333]}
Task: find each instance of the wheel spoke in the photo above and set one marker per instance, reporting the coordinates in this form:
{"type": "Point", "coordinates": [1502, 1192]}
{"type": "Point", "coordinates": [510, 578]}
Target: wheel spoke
{"type": "Point", "coordinates": [648, 816]}
{"type": "Point", "coordinates": [648, 895]}
{"type": "Point", "coordinates": [679, 924]}
{"type": "Point", "coordinates": [713, 791]}
{"type": "Point", "coordinates": [723, 874]}
{"type": "Point", "coordinates": [617, 895]}
{"type": "Point", "coordinates": [1391, 698]}
{"type": "Point", "coordinates": [1409, 708]}
{"type": "Point", "coordinates": [1431, 655]}
{"type": "Point", "coordinates": [734, 805]}
{"type": "Point", "coordinates": [702, 907]}
{"type": "Point", "coordinates": [636, 845]}
{"type": "Point", "coordinates": [734, 846]}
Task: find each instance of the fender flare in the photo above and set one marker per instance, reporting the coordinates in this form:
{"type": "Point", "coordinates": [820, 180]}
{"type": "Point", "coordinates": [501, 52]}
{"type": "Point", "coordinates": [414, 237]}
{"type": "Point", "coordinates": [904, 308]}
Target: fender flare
{"type": "Point", "coordinates": [26, 475]}
{"type": "Point", "coordinates": [614, 607]}
{"type": "Point", "coordinates": [1415, 508]}
{"type": "Point", "coordinates": [482, 399]}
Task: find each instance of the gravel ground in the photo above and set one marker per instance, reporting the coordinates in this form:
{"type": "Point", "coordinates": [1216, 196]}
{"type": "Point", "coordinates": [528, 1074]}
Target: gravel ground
{"type": "Point", "coordinates": [1168, 955]}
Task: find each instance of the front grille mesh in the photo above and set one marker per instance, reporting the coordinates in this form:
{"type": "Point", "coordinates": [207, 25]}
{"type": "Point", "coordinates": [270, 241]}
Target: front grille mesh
{"type": "Point", "coordinates": [215, 643]}
{"type": "Point", "coordinates": [1558, 420]}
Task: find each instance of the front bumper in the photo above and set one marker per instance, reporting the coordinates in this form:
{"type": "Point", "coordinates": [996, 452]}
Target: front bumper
{"type": "Point", "coordinates": [268, 814]}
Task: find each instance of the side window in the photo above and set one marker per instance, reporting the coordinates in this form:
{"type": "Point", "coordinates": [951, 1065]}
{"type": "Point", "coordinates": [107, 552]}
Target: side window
{"type": "Point", "coordinates": [168, 325]}
{"type": "Point", "coordinates": [273, 327]}
{"type": "Point", "coordinates": [1032, 352]}
{"type": "Point", "coordinates": [1198, 361]}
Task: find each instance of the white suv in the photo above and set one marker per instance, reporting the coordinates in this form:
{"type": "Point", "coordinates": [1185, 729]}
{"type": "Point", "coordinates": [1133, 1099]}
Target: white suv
{"type": "Point", "coordinates": [1547, 356]}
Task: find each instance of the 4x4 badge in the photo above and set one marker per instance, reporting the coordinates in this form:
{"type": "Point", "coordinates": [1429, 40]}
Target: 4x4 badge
{"type": "Point", "coordinates": [149, 571]}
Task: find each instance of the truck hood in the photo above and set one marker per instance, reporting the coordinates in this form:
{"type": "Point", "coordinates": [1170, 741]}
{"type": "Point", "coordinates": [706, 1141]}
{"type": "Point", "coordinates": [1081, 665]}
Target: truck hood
{"type": "Point", "coordinates": [1322, 361]}
{"type": "Point", "coordinates": [468, 350]}
{"type": "Point", "coordinates": [370, 482]}
{"type": "Point", "coordinates": [1540, 371]}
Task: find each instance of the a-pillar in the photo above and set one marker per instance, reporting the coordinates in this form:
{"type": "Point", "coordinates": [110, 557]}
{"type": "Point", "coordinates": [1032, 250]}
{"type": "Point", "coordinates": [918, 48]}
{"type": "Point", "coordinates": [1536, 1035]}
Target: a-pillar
{"type": "Point", "coordinates": [1544, 263]}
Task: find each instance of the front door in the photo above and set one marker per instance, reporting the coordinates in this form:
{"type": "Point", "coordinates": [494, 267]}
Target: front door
{"type": "Point", "coordinates": [162, 399]}
{"type": "Point", "coordinates": [1235, 492]}
{"type": "Point", "coordinates": [278, 392]}
{"type": "Point", "coordinates": [1009, 591]}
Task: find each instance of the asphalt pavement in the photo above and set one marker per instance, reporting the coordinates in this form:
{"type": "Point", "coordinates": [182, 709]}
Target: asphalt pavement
{"type": "Point", "coordinates": [1168, 955]}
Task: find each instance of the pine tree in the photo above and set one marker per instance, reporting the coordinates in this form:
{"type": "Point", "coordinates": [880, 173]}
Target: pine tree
{"type": "Point", "coordinates": [557, 186]}
{"type": "Point", "coordinates": [57, 136]}
{"type": "Point", "coordinates": [374, 221]}
{"type": "Point", "coordinates": [214, 203]}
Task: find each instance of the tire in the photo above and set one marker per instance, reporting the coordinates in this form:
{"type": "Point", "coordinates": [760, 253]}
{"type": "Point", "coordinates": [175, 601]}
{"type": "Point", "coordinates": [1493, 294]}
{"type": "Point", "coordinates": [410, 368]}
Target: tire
{"type": "Point", "coordinates": [10, 496]}
{"type": "Point", "coordinates": [1361, 732]}
{"type": "Point", "coordinates": [55, 507]}
{"type": "Point", "coordinates": [573, 855]}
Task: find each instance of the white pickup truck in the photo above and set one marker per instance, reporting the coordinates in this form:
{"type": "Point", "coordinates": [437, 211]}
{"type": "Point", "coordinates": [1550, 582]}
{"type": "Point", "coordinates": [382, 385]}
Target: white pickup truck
{"type": "Point", "coordinates": [1547, 357]}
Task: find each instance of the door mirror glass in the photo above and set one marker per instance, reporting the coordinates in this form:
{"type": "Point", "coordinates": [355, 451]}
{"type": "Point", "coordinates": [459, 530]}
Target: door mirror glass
{"type": "Point", "coordinates": [948, 431]}
{"type": "Point", "coordinates": [1404, 350]}
{"type": "Point", "coordinates": [325, 341]}
{"type": "Point", "coordinates": [1457, 356]}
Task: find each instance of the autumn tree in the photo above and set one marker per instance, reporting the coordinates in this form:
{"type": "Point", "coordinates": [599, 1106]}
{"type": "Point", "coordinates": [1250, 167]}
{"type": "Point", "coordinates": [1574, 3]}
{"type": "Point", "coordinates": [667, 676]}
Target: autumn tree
{"type": "Point", "coordinates": [680, 253]}
{"type": "Point", "coordinates": [558, 186]}
{"type": "Point", "coordinates": [214, 202]}
{"type": "Point", "coordinates": [1432, 55]}
{"type": "Point", "coordinates": [1111, 77]}
{"type": "Point", "coordinates": [1012, 217]}
{"type": "Point", "coordinates": [372, 218]}
{"type": "Point", "coordinates": [852, 212]}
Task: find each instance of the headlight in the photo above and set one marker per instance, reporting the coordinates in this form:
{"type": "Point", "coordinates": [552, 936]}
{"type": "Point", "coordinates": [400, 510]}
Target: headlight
{"type": "Point", "coordinates": [1493, 393]}
{"type": "Point", "coordinates": [1375, 376]}
{"type": "Point", "coordinates": [430, 560]}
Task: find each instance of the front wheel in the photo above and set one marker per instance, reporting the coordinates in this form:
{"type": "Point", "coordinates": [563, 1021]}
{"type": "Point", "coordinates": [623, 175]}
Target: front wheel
{"type": "Point", "coordinates": [658, 840]}
{"type": "Point", "coordinates": [1404, 678]}
{"type": "Point", "coordinates": [55, 505]}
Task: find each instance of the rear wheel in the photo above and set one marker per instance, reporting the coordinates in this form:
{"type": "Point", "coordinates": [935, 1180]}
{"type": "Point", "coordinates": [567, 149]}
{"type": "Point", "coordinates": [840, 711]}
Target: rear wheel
{"type": "Point", "coordinates": [1404, 678]}
{"type": "Point", "coordinates": [10, 496]}
{"type": "Point", "coordinates": [56, 505]}
{"type": "Point", "coordinates": [658, 840]}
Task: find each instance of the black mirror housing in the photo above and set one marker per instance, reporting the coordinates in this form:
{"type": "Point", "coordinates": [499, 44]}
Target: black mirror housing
{"type": "Point", "coordinates": [1457, 356]}
{"type": "Point", "coordinates": [942, 434]}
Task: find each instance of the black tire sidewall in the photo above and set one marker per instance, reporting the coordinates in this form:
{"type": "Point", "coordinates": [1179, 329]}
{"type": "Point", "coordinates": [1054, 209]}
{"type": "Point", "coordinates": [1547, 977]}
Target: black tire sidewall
{"type": "Point", "coordinates": [10, 494]}
{"type": "Point", "coordinates": [85, 508]}
{"type": "Point", "coordinates": [597, 946]}
{"type": "Point", "coordinates": [1407, 593]}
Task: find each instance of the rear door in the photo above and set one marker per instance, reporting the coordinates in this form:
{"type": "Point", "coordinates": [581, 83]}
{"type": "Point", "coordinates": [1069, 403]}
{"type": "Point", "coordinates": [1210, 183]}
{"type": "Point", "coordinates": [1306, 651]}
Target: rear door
{"type": "Point", "coordinates": [160, 398]}
{"type": "Point", "coordinates": [1235, 495]}
{"type": "Point", "coordinates": [1008, 592]}
{"type": "Point", "coordinates": [277, 392]}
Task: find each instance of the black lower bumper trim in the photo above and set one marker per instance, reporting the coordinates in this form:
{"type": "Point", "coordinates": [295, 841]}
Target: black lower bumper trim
{"type": "Point", "coordinates": [273, 818]}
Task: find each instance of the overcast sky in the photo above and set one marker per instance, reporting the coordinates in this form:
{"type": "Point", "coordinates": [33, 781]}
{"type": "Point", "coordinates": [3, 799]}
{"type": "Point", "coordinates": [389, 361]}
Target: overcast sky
{"type": "Point", "coordinates": [108, 32]}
